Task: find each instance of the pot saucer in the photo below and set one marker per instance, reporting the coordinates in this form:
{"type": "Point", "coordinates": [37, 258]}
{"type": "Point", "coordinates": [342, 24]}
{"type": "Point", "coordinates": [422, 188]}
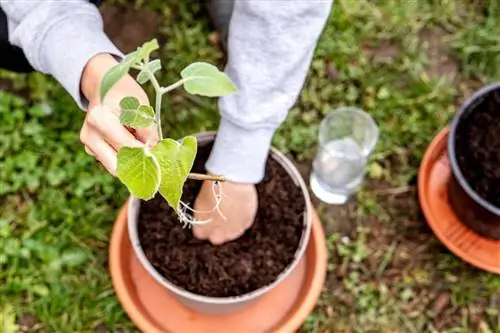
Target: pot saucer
{"type": "Point", "coordinates": [155, 310]}
{"type": "Point", "coordinates": [433, 178]}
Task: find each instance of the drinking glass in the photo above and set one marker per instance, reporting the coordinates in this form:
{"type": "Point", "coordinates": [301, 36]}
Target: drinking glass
{"type": "Point", "coordinates": [347, 137]}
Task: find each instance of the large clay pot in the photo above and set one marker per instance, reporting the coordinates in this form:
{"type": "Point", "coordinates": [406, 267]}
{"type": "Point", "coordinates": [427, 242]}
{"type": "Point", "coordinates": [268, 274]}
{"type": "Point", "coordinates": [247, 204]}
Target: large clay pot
{"type": "Point", "coordinates": [278, 307]}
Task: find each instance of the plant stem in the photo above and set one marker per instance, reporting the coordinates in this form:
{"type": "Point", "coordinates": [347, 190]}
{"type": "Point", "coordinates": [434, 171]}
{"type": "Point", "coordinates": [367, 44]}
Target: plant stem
{"type": "Point", "coordinates": [158, 115]}
{"type": "Point", "coordinates": [171, 87]}
{"type": "Point", "coordinates": [159, 96]}
{"type": "Point", "coordinates": [200, 176]}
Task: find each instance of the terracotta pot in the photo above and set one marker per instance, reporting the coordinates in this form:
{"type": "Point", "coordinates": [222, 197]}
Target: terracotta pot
{"type": "Point", "coordinates": [472, 210]}
{"type": "Point", "coordinates": [216, 305]}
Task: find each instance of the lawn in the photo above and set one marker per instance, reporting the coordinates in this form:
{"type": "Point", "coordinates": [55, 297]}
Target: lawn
{"type": "Point", "coordinates": [409, 64]}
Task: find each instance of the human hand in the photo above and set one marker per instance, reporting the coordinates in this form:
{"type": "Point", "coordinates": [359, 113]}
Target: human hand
{"type": "Point", "coordinates": [102, 133]}
{"type": "Point", "coordinates": [238, 206]}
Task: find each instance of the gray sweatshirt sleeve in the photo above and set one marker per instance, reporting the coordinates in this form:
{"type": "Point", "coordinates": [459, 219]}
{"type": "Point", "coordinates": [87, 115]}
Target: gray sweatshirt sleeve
{"type": "Point", "coordinates": [270, 48]}
{"type": "Point", "coordinates": [58, 38]}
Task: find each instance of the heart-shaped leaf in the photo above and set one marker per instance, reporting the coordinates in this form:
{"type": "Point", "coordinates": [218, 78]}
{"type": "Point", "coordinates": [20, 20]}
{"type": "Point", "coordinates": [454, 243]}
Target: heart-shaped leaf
{"type": "Point", "coordinates": [135, 115]}
{"type": "Point", "coordinates": [138, 169]}
{"type": "Point", "coordinates": [205, 79]}
{"type": "Point", "coordinates": [176, 161]}
{"type": "Point", "coordinates": [153, 67]}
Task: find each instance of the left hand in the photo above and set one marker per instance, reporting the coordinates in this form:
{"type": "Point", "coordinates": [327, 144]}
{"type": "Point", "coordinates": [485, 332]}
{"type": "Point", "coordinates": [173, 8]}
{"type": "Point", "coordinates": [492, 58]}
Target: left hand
{"type": "Point", "coordinates": [102, 133]}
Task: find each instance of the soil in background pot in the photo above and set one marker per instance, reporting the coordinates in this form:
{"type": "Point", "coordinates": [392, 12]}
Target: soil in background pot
{"type": "Point", "coordinates": [254, 260]}
{"type": "Point", "coordinates": [478, 148]}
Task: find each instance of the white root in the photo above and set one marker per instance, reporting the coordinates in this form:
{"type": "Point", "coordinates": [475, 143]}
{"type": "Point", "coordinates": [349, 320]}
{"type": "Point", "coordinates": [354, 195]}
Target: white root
{"type": "Point", "coordinates": [185, 212]}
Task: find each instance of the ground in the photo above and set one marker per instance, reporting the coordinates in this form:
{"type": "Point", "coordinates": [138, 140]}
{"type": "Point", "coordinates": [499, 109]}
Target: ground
{"type": "Point", "coordinates": [408, 63]}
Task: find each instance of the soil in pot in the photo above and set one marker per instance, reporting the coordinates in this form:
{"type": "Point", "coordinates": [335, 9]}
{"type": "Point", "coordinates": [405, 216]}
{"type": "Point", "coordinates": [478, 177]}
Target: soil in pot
{"type": "Point", "coordinates": [253, 261]}
{"type": "Point", "coordinates": [478, 148]}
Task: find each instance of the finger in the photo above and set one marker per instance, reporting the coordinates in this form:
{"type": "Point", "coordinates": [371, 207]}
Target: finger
{"type": "Point", "coordinates": [118, 136]}
{"type": "Point", "coordinates": [200, 232]}
{"type": "Point", "coordinates": [218, 237]}
{"type": "Point", "coordinates": [104, 153]}
{"type": "Point", "coordinates": [112, 130]}
{"type": "Point", "coordinates": [147, 135]}
{"type": "Point", "coordinates": [89, 151]}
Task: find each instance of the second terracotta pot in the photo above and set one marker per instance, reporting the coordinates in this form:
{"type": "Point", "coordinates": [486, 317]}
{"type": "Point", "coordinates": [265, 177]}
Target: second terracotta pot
{"type": "Point", "coordinates": [474, 211]}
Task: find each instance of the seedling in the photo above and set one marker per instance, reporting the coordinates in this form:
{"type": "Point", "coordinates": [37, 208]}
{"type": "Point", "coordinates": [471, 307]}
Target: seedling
{"type": "Point", "coordinates": [166, 166]}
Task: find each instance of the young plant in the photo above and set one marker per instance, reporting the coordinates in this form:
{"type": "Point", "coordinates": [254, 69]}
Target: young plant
{"type": "Point", "coordinates": [165, 167]}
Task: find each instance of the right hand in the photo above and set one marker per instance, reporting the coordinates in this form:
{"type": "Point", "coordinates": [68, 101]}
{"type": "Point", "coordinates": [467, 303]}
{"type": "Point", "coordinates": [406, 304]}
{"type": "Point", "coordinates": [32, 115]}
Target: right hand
{"type": "Point", "coordinates": [238, 207]}
{"type": "Point", "coordinates": [102, 133]}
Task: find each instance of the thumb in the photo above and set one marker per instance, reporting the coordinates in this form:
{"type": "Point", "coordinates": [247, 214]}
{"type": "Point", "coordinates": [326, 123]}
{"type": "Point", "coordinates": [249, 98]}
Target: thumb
{"type": "Point", "coordinates": [147, 135]}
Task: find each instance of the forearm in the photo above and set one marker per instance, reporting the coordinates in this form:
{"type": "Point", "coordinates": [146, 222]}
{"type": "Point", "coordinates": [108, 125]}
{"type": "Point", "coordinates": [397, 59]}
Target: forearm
{"type": "Point", "coordinates": [59, 38]}
{"type": "Point", "coordinates": [271, 45]}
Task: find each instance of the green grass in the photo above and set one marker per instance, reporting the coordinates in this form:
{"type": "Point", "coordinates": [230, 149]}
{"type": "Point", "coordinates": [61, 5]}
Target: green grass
{"type": "Point", "coordinates": [387, 271]}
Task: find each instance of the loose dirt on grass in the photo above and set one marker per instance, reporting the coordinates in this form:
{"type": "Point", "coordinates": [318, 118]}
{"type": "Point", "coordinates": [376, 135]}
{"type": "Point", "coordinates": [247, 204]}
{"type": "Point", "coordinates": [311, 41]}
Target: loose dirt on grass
{"type": "Point", "coordinates": [440, 62]}
{"type": "Point", "coordinates": [382, 52]}
{"type": "Point", "coordinates": [335, 219]}
{"type": "Point", "coordinates": [127, 27]}
{"type": "Point", "coordinates": [29, 323]}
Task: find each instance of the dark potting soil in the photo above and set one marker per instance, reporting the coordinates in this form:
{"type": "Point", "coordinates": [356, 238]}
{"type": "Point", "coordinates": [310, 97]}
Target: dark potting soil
{"type": "Point", "coordinates": [478, 148]}
{"type": "Point", "coordinates": [235, 268]}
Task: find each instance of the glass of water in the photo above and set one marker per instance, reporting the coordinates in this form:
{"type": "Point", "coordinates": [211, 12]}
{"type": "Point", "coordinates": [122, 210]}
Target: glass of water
{"type": "Point", "coordinates": [347, 137]}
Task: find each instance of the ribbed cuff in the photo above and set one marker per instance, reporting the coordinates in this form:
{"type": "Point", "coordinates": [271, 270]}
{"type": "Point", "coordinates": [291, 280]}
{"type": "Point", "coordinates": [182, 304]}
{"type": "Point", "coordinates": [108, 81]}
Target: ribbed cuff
{"type": "Point", "coordinates": [240, 154]}
{"type": "Point", "coordinates": [68, 47]}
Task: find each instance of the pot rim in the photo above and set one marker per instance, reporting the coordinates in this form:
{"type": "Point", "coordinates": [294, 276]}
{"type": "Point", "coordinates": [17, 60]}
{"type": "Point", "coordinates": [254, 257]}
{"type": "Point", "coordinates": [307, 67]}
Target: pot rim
{"type": "Point", "coordinates": [299, 181]}
{"type": "Point", "coordinates": [451, 148]}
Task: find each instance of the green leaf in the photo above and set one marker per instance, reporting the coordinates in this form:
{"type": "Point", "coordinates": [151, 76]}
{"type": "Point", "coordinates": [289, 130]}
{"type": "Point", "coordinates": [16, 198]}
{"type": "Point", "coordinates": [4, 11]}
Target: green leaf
{"type": "Point", "coordinates": [135, 115]}
{"type": "Point", "coordinates": [176, 161]}
{"type": "Point", "coordinates": [138, 169]}
{"type": "Point", "coordinates": [205, 79]}
{"type": "Point", "coordinates": [131, 59]}
{"type": "Point", "coordinates": [145, 50]}
{"type": "Point", "coordinates": [115, 73]}
{"type": "Point", "coordinates": [142, 77]}
{"type": "Point", "coordinates": [153, 66]}
{"type": "Point", "coordinates": [129, 103]}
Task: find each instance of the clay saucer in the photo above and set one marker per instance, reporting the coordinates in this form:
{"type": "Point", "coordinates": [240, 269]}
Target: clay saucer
{"type": "Point", "coordinates": [433, 178]}
{"type": "Point", "coordinates": [155, 310]}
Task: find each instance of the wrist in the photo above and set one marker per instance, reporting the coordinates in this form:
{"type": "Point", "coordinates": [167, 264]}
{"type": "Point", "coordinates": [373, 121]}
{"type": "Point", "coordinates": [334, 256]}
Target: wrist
{"type": "Point", "coordinates": [93, 73]}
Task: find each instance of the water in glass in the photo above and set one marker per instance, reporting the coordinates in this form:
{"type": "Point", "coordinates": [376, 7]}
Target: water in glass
{"type": "Point", "coordinates": [339, 166]}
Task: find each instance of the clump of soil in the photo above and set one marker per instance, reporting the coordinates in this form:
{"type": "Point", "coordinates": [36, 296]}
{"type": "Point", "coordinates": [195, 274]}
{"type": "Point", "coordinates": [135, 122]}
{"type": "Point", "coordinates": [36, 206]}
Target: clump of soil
{"type": "Point", "coordinates": [478, 148]}
{"type": "Point", "coordinates": [254, 260]}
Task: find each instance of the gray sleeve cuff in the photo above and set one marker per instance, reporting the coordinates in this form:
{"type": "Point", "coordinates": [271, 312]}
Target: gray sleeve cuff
{"type": "Point", "coordinates": [68, 47]}
{"type": "Point", "coordinates": [240, 154]}
{"type": "Point", "coordinates": [59, 38]}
